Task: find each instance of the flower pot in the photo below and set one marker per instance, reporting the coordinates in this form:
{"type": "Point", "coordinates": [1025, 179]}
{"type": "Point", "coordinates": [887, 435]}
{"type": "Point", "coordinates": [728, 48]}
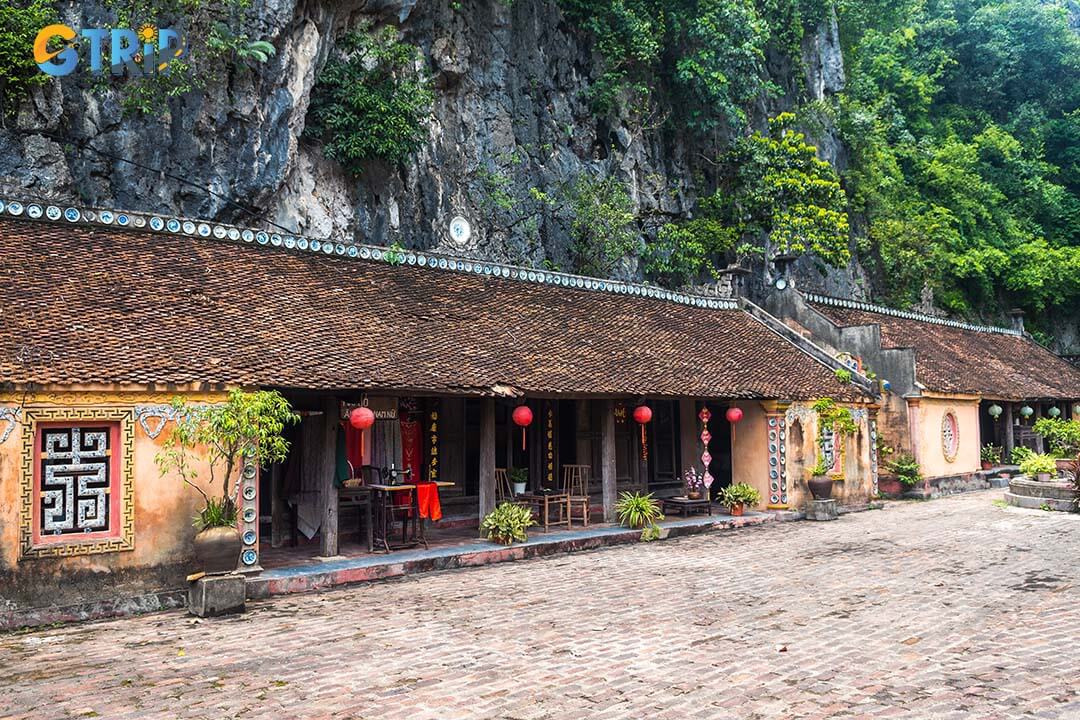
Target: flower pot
{"type": "Point", "coordinates": [519, 488]}
{"type": "Point", "coordinates": [217, 549]}
{"type": "Point", "coordinates": [737, 509]}
{"type": "Point", "coordinates": [1043, 477]}
{"type": "Point", "coordinates": [820, 486]}
{"type": "Point", "coordinates": [694, 495]}
{"type": "Point", "coordinates": [987, 465]}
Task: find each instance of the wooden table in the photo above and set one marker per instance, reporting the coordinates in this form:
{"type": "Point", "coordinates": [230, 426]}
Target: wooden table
{"type": "Point", "coordinates": [382, 500]}
{"type": "Point", "coordinates": [685, 505]}
{"type": "Point", "coordinates": [543, 502]}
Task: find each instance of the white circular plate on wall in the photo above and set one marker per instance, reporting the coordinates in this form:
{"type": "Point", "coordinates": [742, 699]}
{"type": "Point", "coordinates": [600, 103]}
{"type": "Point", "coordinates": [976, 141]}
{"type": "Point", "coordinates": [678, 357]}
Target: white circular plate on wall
{"type": "Point", "coordinates": [460, 230]}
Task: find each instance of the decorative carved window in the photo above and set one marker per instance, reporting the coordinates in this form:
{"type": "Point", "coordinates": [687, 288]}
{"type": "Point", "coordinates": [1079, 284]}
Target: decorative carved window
{"type": "Point", "coordinates": [76, 483]}
{"type": "Point", "coordinates": [950, 436]}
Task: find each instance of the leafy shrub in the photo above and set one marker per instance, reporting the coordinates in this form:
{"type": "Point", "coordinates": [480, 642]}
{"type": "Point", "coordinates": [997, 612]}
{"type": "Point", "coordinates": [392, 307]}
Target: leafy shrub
{"type": "Point", "coordinates": [217, 512]}
{"type": "Point", "coordinates": [604, 224]}
{"type": "Point", "coordinates": [370, 101]}
{"type": "Point", "coordinates": [990, 453]}
{"type": "Point", "coordinates": [639, 511]}
{"type": "Point", "coordinates": [683, 252]}
{"type": "Point", "coordinates": [906, 469]}
{"type": "Point", "coordinates": [739, 494]}
{"type": "Point", "coordinates": [1063, 435]}
{"type": "Point", "coordinates": [20, 23]}
{"type": "Point", "coordinates": [1020, 454]}
{"type": "Point", "coordinates": [507, 523]}
{"type": "Point", "coordinates": [1039, 463]}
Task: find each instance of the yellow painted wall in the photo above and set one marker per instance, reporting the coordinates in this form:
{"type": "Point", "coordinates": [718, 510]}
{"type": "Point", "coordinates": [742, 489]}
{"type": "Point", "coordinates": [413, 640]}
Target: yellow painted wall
{"type": "Point", "coordinates": [164, 507]}
{"type": "Point", "coordinates": [750, 451]}
{"type": "Point", "coordinates": [855, 484]}
{"type": "Point", "coordinates": [931, 454]}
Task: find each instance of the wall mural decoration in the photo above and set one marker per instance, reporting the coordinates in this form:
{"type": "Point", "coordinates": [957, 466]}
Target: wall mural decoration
{"type": "Point", "coordinates": [950, 435]}
{"type": "Point", "coordinates": [9, 418]}
{"type": "Point", "coordinates": [777, 423]}
{"type": "Point", "coordinates": [76, 485]}
{"type": "Point", "coordinates": [873, 457]}
{"type": "Point", "coordinates": [153, 418]}
{"type": "Point", "coordinates": [706, 437]}
{"type": "Point", "coordinates": [433, 441]}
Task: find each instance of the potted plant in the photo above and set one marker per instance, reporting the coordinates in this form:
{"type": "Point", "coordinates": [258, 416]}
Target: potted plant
{"type": "Point", "coordinates": [990, 455]}
{"type": "Point", "coordinates": [736, 497]}
{"type": "Point", "coordinates": [205, 449]}
{"type": "Point", "coordinates": [640, 511]}
{"type": "Point", "coordinates": [1040, 466]}
{"type": "Point", "coordinates": [695, 484]}
{"type": "Point", "coordinates": [507, 523]}
{"type": "Point", "coordinates": [1064, 439]}
{"type": "Point", "coordinates": [830, 417]}
{"type": "Point", "coordinates": [906, 469]}
{"type": "Point", "coordinates": [519, 478]}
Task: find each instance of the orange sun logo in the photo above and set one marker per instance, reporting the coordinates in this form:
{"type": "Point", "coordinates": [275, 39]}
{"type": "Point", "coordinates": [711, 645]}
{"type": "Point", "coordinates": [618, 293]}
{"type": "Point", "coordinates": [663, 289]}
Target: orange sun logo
{"type": "Point", "coordinates": [148, 33]}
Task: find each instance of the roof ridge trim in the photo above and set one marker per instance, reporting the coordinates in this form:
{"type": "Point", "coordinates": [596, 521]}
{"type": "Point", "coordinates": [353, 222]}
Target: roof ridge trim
{"type": "Point", "coordinates": [906, 315]}
{"type": "Point", "coordinates": [171, 225]}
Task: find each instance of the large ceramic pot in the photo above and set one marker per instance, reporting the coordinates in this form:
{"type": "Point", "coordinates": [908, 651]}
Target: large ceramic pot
{"type": "Point", "coordinates": [820, 486]}
{"type": "Point", "coordinates": [217, 549]}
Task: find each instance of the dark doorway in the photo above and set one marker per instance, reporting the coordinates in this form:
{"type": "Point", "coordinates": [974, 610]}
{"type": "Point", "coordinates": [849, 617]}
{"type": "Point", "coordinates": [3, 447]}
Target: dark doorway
{"type": "Point", "coordinates": [719, 448]}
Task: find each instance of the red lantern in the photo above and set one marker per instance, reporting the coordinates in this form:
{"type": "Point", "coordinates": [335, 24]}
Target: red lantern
{"type": "Point", "coordinates": [733, 416]}
{"type": "Point", "coordinates": [523, 417]}
{"type": "Point", "coordinates": [361, 418]}
{"type": "Point", "coordinates": [643, 414]}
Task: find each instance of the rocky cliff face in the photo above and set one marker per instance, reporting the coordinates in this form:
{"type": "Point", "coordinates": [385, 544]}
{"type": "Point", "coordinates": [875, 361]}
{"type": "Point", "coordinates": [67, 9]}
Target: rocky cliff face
{"type": "Point", "coordinates": [510, 116]}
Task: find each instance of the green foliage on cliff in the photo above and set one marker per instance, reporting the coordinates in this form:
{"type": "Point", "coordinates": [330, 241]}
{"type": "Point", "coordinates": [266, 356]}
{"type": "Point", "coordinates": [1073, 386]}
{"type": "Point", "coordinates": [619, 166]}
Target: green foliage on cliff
{"type": "Point", "coordinates": [963, 121]}
{"type": "Point", "coordinates": [603, 224]}
{"type": "Point", "coordinates": [19, 25]}
{"type": "Point", "coordinates": [371, 101]}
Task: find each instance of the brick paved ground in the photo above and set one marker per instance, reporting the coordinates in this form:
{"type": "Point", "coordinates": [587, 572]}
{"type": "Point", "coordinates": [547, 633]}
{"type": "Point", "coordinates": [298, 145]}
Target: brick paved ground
{"type": "Point", "coordinates": [954, 608]}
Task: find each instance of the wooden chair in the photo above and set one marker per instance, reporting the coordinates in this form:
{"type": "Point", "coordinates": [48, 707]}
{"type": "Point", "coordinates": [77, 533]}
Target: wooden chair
{"type": "Point", "coordinates": [504, 491]}
{"type": "Point", "coordinates": [575, 483]}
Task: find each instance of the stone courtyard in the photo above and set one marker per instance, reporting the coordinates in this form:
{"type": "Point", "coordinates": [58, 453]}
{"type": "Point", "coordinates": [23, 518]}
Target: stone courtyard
{"type": "Point", "coordinates": [954, 608]}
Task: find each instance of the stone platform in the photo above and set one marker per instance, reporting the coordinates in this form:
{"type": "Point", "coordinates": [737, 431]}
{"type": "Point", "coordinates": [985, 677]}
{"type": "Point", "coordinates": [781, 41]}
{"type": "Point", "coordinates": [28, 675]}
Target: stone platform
{"type": "Point", "coordinates": [1055, 494]}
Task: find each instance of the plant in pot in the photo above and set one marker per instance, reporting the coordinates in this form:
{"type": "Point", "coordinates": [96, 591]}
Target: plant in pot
{"type": "Point", "coordinates": [1040, 466]}
{"type": "Point", "coordinates": [841, 422]}
{"type": "Point", "coordinates": [640, 511]}
{"type": "Point", "coordinates": [1064, 439]}
{"type": "Point", "coordinates": [507, 523]}
{"type": "Point", "coordinates": [519, 478]}
{"type": "Point", "coordinates": [990, 455]}
{"type": "Point", "coordinates": [694, 483]}
{"type": "Point", "coordinates": [738, 496]}
{"type": "Point", "coordinates": [205, 449]}
{"type": "Point", "coordinates": [906, 469]}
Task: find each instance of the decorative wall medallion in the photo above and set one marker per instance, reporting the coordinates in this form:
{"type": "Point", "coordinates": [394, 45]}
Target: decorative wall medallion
{"type": "Point", "coordinates": [873, 458]}
{"type": "Point", "coordinates": [950, 436]}
{"type": "Point", "coordinates": [153, 418]}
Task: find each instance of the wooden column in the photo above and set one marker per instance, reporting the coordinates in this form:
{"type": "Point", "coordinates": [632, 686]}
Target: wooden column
{"type": "Point", "coordinates": [327, 464]}
{"type": "Point", "coordinates": [689, 436]}
{"type": "Point", "coordinates": [279, 507]}
{"type": "Point", "coordinates": [1035, 418]}
{"type": "Point", "coordinates": [607, 459]}
{"type": "Point", "coordinates": [1008, 440]}
{"type": "Point", "coordinates": [487, 456]}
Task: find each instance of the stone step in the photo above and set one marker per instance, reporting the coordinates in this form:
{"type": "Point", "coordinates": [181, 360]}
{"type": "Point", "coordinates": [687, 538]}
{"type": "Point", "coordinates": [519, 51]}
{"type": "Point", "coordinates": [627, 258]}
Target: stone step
{"type": "Point", "coordinates": [1037, 503]}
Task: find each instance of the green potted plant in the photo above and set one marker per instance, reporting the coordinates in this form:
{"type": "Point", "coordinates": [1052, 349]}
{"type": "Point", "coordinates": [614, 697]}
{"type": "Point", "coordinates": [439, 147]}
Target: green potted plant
{"type": "Point", "coordinates": [1064, 439]}
{"type": "Point", "coordinates": [906, 469]}
{"type": "Point", "coordinates": [840, 420]}
{"type": "Point", "coordinates": [519, 478]}
{"type": "Point", "coordinates": [738, 496]}
{"type": "Point", "coordinates": [1040, 466]}
{"type": "Point", "coordinates": [507, 523]}
{"type": "Point", "coordinates": [205, 449]}
{"type": "Point", "coordinates": [990, 455]}
{"type": "Point", "coordinates": [640, 511]}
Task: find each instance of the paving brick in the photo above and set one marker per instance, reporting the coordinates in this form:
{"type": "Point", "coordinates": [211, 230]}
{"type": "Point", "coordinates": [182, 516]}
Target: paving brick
{"type": "Point", "coordinates": [952, 608]}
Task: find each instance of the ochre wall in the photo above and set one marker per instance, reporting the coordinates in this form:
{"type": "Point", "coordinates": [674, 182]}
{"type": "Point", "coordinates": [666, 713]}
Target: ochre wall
{"type": "Point", "coordinates": [931, 455]}
{"type": "Point", "coordinates": [164, 508]}
{"type": "Point", "coordinates": [749, 449]}
{"type": "Point", "coordinates": [854, 486]}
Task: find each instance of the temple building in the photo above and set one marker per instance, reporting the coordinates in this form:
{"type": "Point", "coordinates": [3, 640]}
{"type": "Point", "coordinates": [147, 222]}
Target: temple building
{"type": "Point", "coordinates": [948, 387]}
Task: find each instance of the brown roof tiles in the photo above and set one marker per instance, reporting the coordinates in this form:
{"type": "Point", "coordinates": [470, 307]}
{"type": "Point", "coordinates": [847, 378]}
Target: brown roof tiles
{"type": "Point", "coordinates": [84, 304]}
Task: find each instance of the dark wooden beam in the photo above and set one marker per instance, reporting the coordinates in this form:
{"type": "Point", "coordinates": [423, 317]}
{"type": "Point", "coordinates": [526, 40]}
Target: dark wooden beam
{"type": "Point", "coordinates": [328, 495]}
{"type": "Point", "coordinates": [487, 456]}
{"type": "Point", "coordinates": [607, 459]}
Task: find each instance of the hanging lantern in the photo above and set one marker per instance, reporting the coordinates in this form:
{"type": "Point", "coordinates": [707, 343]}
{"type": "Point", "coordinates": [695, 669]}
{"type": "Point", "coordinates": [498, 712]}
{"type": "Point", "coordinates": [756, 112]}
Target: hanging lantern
{"type": "Point", "coordinates": [361, 418]}
{"type": "Point", "coordinates": [1054, 411]}
{"type": "Point", "coordinates": [1027, 411]}
{"type": "Point", "coordinates": [706, 437]}
{"type": "Point", "coordinates": [995, 411]}
{"type": "Point", "coordinates": [1076, 411]}
{"type": "Point", "coordinates": [733, 416]}
{"type": "Point", "coordinates": [642, 415]}
{"type": "Point", "coordinates": [523, 417]}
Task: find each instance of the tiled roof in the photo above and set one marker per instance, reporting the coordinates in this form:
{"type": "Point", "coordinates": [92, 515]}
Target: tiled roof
{"type": "Point", "coordinates": [954, 357]}
{"type": "Point", "coordinates": [88, 303]}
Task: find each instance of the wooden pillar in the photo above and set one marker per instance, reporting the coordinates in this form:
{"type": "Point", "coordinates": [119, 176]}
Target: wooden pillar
{"type": "Point", "coordinates": [1009, 440]}
{"type": "Point", "coordinates": [1035, 418]}
{"type": "Point", "coordinates": [607, 459]}
{"type": "Point", "coordinates": [279, 507]}
{"type": "Point", "coordinates": [689, 435]}
{"type": "Point", "coordinates": [327, 464]}
{"type": "Point", "coordinates": [487, 456]}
